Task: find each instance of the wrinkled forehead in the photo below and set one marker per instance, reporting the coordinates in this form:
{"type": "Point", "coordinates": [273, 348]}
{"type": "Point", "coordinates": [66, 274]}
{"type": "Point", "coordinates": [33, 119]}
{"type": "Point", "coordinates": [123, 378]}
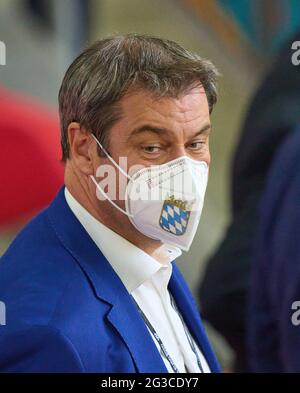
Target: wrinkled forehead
{"type": "Point", "coordinates": [143, 106]}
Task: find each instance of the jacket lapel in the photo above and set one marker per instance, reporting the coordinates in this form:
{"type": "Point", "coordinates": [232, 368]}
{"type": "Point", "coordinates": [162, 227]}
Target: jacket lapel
{"type": "Point", "coordinates": [134, 333]}
{"type": "Point", "coordinates": [107, 286]}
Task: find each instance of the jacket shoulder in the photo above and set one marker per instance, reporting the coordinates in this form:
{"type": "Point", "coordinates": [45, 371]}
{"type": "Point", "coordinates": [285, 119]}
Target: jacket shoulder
{"type": "Point", "coordinates": [36, 272]}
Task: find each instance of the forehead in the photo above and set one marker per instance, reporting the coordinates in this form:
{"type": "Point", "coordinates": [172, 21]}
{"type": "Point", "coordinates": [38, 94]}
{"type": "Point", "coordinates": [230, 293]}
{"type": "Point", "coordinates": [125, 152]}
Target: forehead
{"type": "Point", "coordinates": [144, 106]}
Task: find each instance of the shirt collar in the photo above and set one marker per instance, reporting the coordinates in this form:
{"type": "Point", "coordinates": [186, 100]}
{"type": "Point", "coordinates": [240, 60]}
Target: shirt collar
{"type": "Point", "coordinates": [132, 265]}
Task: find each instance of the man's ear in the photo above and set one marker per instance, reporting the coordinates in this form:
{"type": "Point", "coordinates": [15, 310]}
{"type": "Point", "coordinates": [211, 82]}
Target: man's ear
{"type": "Point", "coordinates": [80, 147]}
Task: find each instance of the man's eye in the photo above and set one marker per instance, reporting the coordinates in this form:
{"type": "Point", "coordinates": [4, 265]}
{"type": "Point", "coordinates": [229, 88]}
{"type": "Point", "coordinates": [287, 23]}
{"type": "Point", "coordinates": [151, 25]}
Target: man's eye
{"type": "Point", "coordinates": [151, 149]}
{"type": "Point", "coordinates": [197, 145]}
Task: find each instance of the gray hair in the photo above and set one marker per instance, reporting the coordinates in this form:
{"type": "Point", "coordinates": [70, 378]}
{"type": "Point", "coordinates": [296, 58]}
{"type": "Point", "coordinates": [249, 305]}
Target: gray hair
{"type": "Point", "coordinates": [103, 73]}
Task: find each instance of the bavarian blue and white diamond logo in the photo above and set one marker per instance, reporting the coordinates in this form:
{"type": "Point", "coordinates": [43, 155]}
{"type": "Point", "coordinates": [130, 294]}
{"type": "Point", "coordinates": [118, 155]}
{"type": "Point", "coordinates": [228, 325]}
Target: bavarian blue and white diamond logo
{"type": "Point", "coordinates": [174, 216]}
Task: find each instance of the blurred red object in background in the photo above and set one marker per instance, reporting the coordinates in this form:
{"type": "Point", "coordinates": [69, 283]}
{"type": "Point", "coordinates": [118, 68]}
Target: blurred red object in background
{"type": "Point", "coordinates": [30, 169]}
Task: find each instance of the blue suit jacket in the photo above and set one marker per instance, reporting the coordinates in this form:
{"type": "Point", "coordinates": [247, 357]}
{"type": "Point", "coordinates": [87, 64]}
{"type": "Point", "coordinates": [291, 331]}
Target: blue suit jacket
{"type": "Point", "coordinates": [68, 311]}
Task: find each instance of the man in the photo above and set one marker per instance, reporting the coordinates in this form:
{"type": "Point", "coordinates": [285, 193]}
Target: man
{"type": "Point", "coordinates": [89, 285]}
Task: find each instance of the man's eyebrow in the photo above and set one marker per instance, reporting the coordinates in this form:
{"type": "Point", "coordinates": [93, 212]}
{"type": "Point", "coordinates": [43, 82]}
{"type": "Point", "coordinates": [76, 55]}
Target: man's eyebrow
{"type": "Point", "coordinates": [148, 127]}
{"type": "Point", "coordinates": [205, 129]}
{"type": "Point", "coordinates": [160, 130]}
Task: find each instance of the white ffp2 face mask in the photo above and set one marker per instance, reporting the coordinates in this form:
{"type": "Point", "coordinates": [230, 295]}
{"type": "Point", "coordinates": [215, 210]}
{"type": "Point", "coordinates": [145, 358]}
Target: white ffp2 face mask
{"type": "Point", "coordinates": [164, 202]}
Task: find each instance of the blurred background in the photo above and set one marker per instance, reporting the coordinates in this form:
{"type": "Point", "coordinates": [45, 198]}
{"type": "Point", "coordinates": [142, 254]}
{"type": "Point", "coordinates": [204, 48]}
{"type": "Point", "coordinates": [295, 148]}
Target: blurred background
{"type": "Point", "coordinates": [42, 37]}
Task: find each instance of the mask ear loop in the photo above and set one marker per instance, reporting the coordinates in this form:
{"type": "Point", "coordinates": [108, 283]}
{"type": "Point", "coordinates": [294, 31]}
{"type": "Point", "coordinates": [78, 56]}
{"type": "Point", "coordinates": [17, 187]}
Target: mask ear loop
{"type": "Point", "coordinates": [100, 189]}
{"type": "Point", "coordinates": [111, 159]}
{"type": "Point", "coordinates": [110, 200]}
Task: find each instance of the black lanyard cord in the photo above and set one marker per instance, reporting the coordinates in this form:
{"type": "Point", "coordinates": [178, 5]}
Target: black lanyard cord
{"type": "Point", "coordinates": [157, 338]}
{"type": "Point", "coordinates": [191, 341]}
{"type": "Point", "coordinates": [162, 347]}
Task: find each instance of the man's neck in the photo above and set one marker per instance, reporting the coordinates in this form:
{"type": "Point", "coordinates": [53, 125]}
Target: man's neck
{"type": "Point", "coordinates": [114, 220]}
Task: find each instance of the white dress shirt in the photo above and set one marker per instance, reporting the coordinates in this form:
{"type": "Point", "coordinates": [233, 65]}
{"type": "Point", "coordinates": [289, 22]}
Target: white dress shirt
{"type": "Point", "coordinates": [146, 279]}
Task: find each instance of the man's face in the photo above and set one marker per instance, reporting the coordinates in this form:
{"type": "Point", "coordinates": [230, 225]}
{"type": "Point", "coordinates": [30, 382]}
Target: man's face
{"type": "Point", "coordinates": [155, 131]}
